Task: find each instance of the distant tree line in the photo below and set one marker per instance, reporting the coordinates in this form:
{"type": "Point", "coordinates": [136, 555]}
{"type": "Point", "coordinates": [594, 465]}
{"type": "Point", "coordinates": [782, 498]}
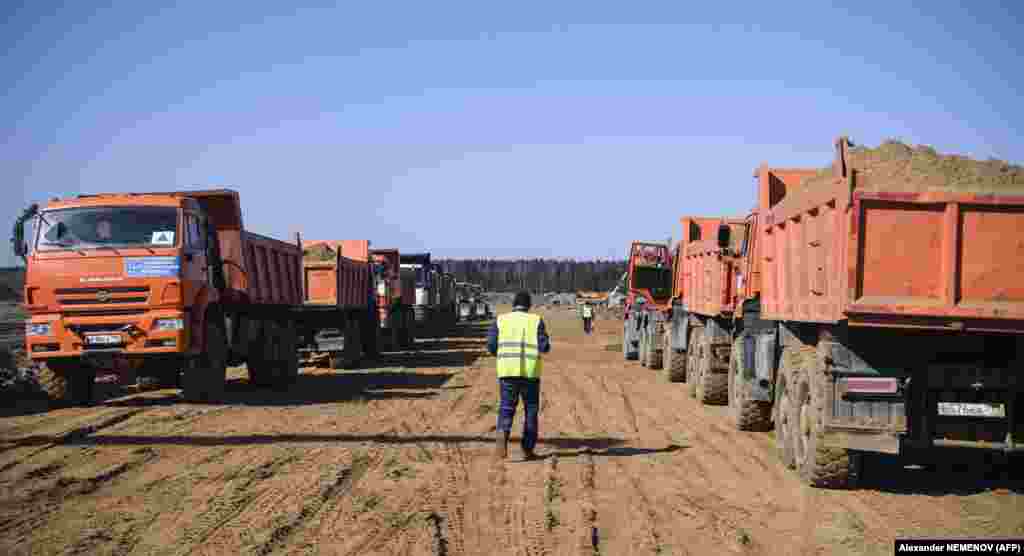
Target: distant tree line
{"type": "Point", "coordinates": [537, 275]}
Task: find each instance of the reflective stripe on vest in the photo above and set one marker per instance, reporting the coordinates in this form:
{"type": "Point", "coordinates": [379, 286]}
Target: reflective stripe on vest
{"type": "Point", "coordinates": [518, 353]}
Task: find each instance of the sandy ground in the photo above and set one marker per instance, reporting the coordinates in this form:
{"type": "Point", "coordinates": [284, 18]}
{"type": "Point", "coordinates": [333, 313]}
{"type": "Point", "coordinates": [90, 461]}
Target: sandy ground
{"type": "Point", "coordinates": [396, 459]}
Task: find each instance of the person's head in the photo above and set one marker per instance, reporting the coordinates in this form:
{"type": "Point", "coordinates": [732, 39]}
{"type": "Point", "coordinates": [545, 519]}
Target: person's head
{"type": "Point", "coordinates": [521, 301]}
{"type": "Point", "coordinates": [104, 230]}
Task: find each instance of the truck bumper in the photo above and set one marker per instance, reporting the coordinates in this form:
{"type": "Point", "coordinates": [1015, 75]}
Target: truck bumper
{"type": "Point", "coordinates": [135, 335]}
{"type": "Point", "coordinates": [899, 444]}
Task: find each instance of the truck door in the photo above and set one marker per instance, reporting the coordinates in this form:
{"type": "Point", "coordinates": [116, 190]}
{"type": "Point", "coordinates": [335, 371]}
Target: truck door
{"type": "Point", "coordinates": [196, 271]}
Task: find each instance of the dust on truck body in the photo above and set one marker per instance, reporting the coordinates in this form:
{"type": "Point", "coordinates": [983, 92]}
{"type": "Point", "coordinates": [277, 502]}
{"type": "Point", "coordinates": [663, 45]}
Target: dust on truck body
{"type": "Point", "coordinates": [878, 321]}
{"type": "Point", "coordinates": [339, 316]}
{"type": "Point", "coordinates": [161, 283]}
{"type": "Point", "coordinates": [394, 298]}
{"type": "Point", "coordinates": [647, 307]}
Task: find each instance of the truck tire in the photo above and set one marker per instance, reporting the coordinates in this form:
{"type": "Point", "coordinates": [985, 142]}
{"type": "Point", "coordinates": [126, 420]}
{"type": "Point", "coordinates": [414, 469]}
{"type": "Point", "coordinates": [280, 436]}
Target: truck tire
{"type": "Point", "coordinates": [353, 346]}
{"type": "Point", "coordinates": [407, 333]}
{"type": "Point", "coordinates": [643, 347]}
{"type": "Point", "coordinates": [260, 360]}
{"type": "Point", "coordinates": [818, 466]}
{"type": "Point", "coordinates": [674, 370]}
{"type": "Point", "coordinates": [655, 355]}
{"type": "Point", "coordinates": [746, 414]}
{"type": "Point", "coordinates": [712, 388]}
{"type": "Point", "coordinates": [692, 361]}
{"type": "Point", "coordinates": [370, 337]}
{"type": "Point", "coordinates": [67, 382]}
{"type": "Point", "coordinates": [290, 361]}
{"type": "Point", "coordinates": [783, 410]}
{"type": "Point", "coordinates": [628, 353]}
{"type": "Point", "coordinates": [205, 381]}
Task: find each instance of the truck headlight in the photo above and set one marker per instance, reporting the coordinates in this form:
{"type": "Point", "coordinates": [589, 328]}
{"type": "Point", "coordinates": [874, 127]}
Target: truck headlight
{"type": "Point", "coordinates": [168, 324]}
{"type": "Point", "coordinates": [34, 329]}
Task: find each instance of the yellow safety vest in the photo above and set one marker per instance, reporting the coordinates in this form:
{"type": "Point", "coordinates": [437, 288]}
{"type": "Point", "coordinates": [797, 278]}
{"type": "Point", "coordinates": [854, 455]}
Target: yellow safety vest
{"type": "Point", "coordinates": [518, 353]}
{"type": "Point", "coordinates": [587, 312]}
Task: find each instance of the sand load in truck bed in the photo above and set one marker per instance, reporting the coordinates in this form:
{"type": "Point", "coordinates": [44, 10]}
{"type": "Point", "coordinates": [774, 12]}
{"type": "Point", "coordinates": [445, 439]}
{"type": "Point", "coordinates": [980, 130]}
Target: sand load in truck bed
{"type": "Point", "coordinates": [319, 253]}
{"type": "Point", "coordinates": [895, 166]}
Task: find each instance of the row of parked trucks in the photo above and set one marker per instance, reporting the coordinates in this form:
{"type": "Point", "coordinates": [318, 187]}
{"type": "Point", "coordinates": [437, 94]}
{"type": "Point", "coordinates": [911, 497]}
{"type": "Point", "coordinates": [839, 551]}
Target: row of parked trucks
{"type": "Point", "coordinates": [853, 320]}
{"type": "Point", "coordinates": [171, 287]}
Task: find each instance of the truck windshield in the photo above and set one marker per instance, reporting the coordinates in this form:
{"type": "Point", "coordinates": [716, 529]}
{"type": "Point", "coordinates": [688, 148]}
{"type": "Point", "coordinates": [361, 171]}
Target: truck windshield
{"type": "Point", "coordinates": [656, 280]}
{"type": "Point", "coordinates": [97, 227]}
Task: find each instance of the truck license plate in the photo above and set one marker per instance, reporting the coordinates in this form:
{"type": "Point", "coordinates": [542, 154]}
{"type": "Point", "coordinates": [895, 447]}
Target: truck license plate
{"type": "Point", "coordinates": [971, 409]}
{"type": "Point", "coordinates": [103, 340]}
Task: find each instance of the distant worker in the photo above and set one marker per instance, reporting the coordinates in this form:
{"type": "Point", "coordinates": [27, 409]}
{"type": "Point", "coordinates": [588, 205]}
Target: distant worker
{"type": "Point", "coordinates": [518, 339]}
{"type": "Point", "coordinates": [588, 317]}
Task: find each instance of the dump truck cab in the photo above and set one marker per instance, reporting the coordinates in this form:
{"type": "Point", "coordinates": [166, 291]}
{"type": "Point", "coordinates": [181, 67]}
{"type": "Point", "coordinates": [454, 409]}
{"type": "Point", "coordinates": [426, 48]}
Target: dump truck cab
{"type": "Point", "coordinates": [154, 284]}
{"type": "Point", "coordinates": [649, 292]}
{"type": "Point", "coordinates": [120, 274]}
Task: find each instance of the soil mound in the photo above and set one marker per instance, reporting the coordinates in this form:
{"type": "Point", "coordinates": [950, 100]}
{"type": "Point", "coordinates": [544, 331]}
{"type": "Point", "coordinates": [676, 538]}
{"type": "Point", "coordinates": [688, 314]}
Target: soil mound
{"type": "Point", "coordinates": [319, 253]}
{"type": "Point", "coordinates": [896, 166]}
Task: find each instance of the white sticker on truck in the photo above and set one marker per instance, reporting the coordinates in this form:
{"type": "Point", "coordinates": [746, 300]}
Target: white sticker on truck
{"type": "Point", "coordinates": [162, 238]}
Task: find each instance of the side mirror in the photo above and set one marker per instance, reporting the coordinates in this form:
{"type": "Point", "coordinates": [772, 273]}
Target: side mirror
{"type": "Point", "coordinates": [724, 233]}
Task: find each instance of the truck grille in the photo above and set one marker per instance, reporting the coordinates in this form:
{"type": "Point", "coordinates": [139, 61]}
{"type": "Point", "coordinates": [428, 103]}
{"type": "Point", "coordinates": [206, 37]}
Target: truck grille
{"type": "Point", "coordinates": [99, 327]}
{"type": "Point", "coordinates": [102, 296]}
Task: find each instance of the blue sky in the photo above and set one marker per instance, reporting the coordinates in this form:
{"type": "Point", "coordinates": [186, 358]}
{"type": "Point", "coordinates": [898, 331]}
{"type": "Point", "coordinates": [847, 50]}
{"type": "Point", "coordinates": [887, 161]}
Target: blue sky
{"type": "Point", "coordinates": [467, 129]}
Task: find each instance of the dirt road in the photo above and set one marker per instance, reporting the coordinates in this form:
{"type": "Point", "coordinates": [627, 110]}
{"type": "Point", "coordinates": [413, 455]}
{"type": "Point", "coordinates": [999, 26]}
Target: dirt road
{"type": "Point", "coordinates": [396, 460]}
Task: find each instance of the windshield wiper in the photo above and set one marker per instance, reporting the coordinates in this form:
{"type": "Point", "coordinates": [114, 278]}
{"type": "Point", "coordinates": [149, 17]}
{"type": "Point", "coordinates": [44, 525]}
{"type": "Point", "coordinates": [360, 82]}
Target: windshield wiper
{"type": "Point", "coordinates": [64, 245]}
{"type": "Point", "coordinates": [111, 247]}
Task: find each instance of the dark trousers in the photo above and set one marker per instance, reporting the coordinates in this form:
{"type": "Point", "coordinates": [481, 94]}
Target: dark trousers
{"type": "Point", "coordinates": [511, 390]}
{"type": "Point", "coordinates": [586, 324]}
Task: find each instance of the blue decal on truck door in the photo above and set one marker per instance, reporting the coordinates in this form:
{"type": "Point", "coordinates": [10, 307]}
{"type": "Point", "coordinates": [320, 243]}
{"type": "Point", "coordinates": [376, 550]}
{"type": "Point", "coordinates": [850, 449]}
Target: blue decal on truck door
{"type": "Point", "coordinates": [152, 267]}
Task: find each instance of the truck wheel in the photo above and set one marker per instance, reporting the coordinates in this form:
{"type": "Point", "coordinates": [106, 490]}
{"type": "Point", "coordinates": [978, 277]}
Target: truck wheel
{"type": "Point", "coordinates": [290, 363]}
{"type": "Point", "coordinates": [783, 410]}
{"type": "Point", "coordinates": [260, 368]}
{"type": "Point", "coordinates": [67, 382]}
{"type": "Point", "coordinates": [712, 387]}
{"type": "Point", "coordinates": [818, 465]}
{"type": "Point", "coordinates": [674, 370]}
{"type": "Point", "coordinates": [353, 344]}
{"type": "Point", "coordinates": [205, 381]}
{"type": "Point", "coordinates": [628, 353]}
{"type": "Point", "coordinates": [643, 347]}
{"type": "Point", "coordinates": [747, 414]}
{"type": "Point", "coordinates": [370, 337]}
{"type": "Point", "coordinates": [655, 355]}
{"type": "Point", "coordinates": [692, 361]}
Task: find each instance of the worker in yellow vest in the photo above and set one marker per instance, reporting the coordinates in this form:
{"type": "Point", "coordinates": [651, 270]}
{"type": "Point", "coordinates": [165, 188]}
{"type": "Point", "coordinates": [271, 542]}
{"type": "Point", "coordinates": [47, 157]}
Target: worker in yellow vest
{"type": "Point", "coordinates": [587, 312]}
{"type": "Point", "coordinates": [518, 339]}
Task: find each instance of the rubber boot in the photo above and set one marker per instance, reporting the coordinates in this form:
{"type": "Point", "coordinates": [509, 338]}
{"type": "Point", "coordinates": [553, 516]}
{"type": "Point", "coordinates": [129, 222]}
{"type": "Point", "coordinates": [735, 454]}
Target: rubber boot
{"type": "Point", "coordinates": [500, 445]}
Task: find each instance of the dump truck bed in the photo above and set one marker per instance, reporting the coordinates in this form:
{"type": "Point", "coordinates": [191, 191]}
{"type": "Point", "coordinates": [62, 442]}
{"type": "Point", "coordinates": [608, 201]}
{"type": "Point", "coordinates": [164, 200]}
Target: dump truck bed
{"type": "Point", "coordinates": [343, 282]}
{"type": "Point", "coordinates": [705, 274]}
{"type": "Point", "coordinates": [272, 268]}
{"type": "Point", "coordinates": [932, 260]}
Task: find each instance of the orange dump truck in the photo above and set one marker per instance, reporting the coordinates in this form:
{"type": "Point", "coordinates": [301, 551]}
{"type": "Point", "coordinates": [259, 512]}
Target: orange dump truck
{"type": "Point", "coordinates": [339, 316]}
{"type": "Point", "coordinates": [159, 283]}
{"type": "Point", "coordinates": [697, 335]}
{"type": "Point", "coordinates": [648, 302]}
{"type": "Point", "coordinates": [872, 318]}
